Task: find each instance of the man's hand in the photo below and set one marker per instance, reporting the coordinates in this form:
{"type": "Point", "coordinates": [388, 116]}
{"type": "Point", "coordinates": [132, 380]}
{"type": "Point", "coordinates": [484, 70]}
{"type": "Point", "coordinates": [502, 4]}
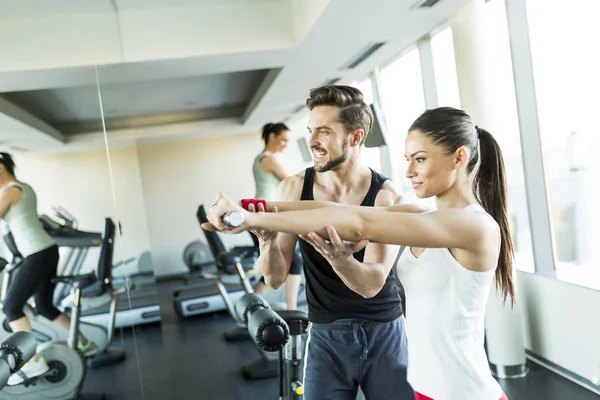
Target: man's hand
{"type": "Point", "coordinates": [335, 250]}
{"type": "Point", "coordinates": [264, 236]}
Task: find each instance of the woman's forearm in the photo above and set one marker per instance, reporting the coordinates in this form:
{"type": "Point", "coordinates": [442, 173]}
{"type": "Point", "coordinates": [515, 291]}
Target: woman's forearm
{"type": "Point", "coordinates": [312, 204]}
{"type": "Point", "coordinates": [298, 205]}
{"type": "Point", "coordinates": [347, 221]}
{"type": "Point", "coordinates": [352, 223]}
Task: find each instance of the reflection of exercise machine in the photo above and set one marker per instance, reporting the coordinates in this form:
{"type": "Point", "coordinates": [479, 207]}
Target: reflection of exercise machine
{"type": "Point", "coordinates": [137, 306]}
{"type": "Point", "coordinates": [79, 242]}
{"type": "Point", "coordinates": [144, 275]}
{"type": "Point", "coordinates": [67, 371]}
{"type": "Point", "coordinates": [280, 332]}
{"type": "Point", "coordinates": [44, 330]}
{"type": "Point", "coordinates": [15, 351]}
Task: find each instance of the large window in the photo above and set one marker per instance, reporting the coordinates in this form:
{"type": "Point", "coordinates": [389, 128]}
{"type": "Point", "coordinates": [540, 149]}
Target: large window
{"type": "Point", "coordinates": [444, 67]}
{"type": "Point", "coordinates": [567, 81]}
{"type": "Point", "coordinates": [506, 129]}
{"type": "Point", "coordinates": [402, 102]}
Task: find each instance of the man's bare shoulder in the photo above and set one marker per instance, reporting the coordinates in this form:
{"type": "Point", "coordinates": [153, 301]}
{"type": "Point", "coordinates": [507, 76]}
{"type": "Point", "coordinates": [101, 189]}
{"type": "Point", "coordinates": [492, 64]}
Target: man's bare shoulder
{"type": "Point", "coordinates": [388, 195]}
{"type": "Point", "coordinates": [290, 189]}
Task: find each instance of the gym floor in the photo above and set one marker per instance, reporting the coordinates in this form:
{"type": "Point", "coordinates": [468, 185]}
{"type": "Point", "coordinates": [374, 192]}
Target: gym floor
{"type": "Point", "coordinates": [184, 359]}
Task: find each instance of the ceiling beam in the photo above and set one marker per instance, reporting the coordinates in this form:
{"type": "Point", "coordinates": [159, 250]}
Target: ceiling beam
{"type": "Point", "coordinates": [25, 130]}
{"type": "Point", "coordinates": [142, 121]}
{"type": "Point", "coordinates": [260, 93]}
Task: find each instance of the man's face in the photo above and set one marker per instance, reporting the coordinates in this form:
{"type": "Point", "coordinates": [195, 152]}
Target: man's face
{"type": "Point", "coordinates": [328, 138]}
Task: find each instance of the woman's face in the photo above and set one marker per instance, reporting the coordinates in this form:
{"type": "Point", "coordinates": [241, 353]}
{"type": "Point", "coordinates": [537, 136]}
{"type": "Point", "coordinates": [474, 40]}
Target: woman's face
{"type": "Point", "coordinates": [279, 142]}
{"type": "Point", "coordinates": [430, 170]}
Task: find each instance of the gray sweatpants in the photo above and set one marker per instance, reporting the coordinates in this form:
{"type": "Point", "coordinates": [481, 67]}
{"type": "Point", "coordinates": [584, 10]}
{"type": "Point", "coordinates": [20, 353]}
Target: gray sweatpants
{"type": "Point", "coordinates": [348, 353]}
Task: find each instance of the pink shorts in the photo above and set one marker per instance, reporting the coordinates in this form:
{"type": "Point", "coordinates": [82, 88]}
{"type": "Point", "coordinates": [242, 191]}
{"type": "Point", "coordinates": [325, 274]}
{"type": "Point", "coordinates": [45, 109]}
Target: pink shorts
{"type": "Point", "coordinates": [420, 396]}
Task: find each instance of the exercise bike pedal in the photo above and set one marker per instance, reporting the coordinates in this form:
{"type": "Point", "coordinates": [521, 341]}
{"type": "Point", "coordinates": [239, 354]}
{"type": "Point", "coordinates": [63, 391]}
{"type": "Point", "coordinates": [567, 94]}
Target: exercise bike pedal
{"type": "Point", "coordinates": [32, 381]}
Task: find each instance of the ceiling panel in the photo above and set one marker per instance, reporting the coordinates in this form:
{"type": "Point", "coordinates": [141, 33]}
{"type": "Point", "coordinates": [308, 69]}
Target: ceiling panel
{"type": "Point", "coordinates": [65, 105]}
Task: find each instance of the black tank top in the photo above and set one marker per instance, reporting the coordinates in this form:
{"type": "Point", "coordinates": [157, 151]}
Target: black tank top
{"type": "Point", "coordinates": [328, 297]}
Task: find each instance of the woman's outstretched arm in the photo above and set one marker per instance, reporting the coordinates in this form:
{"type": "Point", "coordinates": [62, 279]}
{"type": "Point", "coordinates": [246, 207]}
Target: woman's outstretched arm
{"type": "Point", "coordinates": [453, 228]}
{"type": "Point", "coordinates": [313, 204]}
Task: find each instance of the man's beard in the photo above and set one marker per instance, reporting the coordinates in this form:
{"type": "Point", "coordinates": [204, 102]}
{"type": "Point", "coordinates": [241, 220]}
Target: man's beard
{"type": "Point", "coordinates": [336, 162]}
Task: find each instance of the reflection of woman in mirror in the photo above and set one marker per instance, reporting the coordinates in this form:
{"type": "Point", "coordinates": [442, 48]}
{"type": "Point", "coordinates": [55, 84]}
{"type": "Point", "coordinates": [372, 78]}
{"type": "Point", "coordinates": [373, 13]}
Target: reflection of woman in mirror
{"type": "Point", "coordinates": [18, 208]}
{"type": "Point", "coordinates": [268, 173]}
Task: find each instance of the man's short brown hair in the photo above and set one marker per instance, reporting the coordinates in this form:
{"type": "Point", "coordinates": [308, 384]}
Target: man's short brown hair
{"type": "Point", "coordinates": [354, 112]}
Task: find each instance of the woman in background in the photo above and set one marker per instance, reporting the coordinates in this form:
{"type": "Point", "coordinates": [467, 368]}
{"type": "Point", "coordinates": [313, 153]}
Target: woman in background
{"type": "Point", "coordinates": [268, 173]}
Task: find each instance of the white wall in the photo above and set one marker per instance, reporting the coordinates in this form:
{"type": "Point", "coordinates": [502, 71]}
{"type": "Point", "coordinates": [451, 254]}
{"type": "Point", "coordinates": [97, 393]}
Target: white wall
{"type": "Point", "coordinates": [561, 323]}
{"type": "Point", "coordinates": [179, 176]}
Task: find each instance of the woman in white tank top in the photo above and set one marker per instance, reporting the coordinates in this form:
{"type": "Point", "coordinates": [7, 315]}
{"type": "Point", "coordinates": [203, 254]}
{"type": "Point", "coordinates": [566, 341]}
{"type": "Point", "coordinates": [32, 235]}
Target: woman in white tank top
{"type": "Point", "coordinates": [453, 253]}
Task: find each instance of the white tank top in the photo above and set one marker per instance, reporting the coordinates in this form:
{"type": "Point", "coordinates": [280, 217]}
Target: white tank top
{"type": "Point", "coordinates": [446, 305]}
{"type": "Point", "coordinates": [22, 218]}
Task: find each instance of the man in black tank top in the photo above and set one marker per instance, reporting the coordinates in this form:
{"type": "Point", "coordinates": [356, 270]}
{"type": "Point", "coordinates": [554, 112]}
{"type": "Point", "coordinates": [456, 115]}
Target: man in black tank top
{"type": "Point", "coordinates": [329, 299]}
{"type": "Point", "coordinates": [356, 333]}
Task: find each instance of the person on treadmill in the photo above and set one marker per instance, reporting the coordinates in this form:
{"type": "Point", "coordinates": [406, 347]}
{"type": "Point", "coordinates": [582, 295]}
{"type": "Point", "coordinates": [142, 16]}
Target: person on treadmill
{"type": "Point", "coordinates": [268, 173]}
{"type": "Point", "coordinates": [18, 208]}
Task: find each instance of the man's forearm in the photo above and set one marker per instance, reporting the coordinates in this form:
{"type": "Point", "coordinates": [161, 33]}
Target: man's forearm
{"type": "Point", "coordinates": [272, 264]}
{"type": "Point", "coordinates": [366, 279]}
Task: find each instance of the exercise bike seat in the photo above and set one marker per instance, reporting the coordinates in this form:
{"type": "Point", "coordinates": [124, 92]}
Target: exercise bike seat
{"type": "Point", "coordinates": [77, 281]}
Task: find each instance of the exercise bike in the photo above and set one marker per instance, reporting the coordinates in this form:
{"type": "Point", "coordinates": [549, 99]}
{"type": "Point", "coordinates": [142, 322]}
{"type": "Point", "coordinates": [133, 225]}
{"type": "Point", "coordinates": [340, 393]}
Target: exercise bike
{"type": "Point", "coordinates": [15, 351]}
{"type": "Point", "coordinates": [44, 330]}
{"type": "Point", "coordinates": [67, 371]}
{"type": "Point", "coordinates": [281, 332]}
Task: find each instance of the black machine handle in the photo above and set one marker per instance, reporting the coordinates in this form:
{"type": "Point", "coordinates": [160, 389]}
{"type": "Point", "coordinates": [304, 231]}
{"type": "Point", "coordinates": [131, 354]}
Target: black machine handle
{"type": "Point", "coordinates": [9, 240]}
{"type": "Point", "coordinates": [268, 330]}
{"type": "Point", "coordinates": [77, 281]}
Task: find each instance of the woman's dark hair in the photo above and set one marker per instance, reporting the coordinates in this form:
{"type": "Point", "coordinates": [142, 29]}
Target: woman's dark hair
{"type": "Point", "coordinates": [7, 160]}
{"type": "Point", "coordinates": [273, 128]}
{"type": "Point", "coordinates": [451, 129]}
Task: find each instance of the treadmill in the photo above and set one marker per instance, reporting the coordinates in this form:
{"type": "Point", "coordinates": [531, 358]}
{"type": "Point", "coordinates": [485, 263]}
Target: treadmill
{"type": "Point", "coordinates": [144, 305]}
{"type": "Point", "coordinates": [140, 278]}
{"type": "Point", "coordinates": [210, 293]}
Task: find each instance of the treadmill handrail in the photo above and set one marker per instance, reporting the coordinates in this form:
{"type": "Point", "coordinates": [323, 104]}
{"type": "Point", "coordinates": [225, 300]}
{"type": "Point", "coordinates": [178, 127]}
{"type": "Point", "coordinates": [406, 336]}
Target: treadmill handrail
{"type": "Point", "coordinates": [66, 216]}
